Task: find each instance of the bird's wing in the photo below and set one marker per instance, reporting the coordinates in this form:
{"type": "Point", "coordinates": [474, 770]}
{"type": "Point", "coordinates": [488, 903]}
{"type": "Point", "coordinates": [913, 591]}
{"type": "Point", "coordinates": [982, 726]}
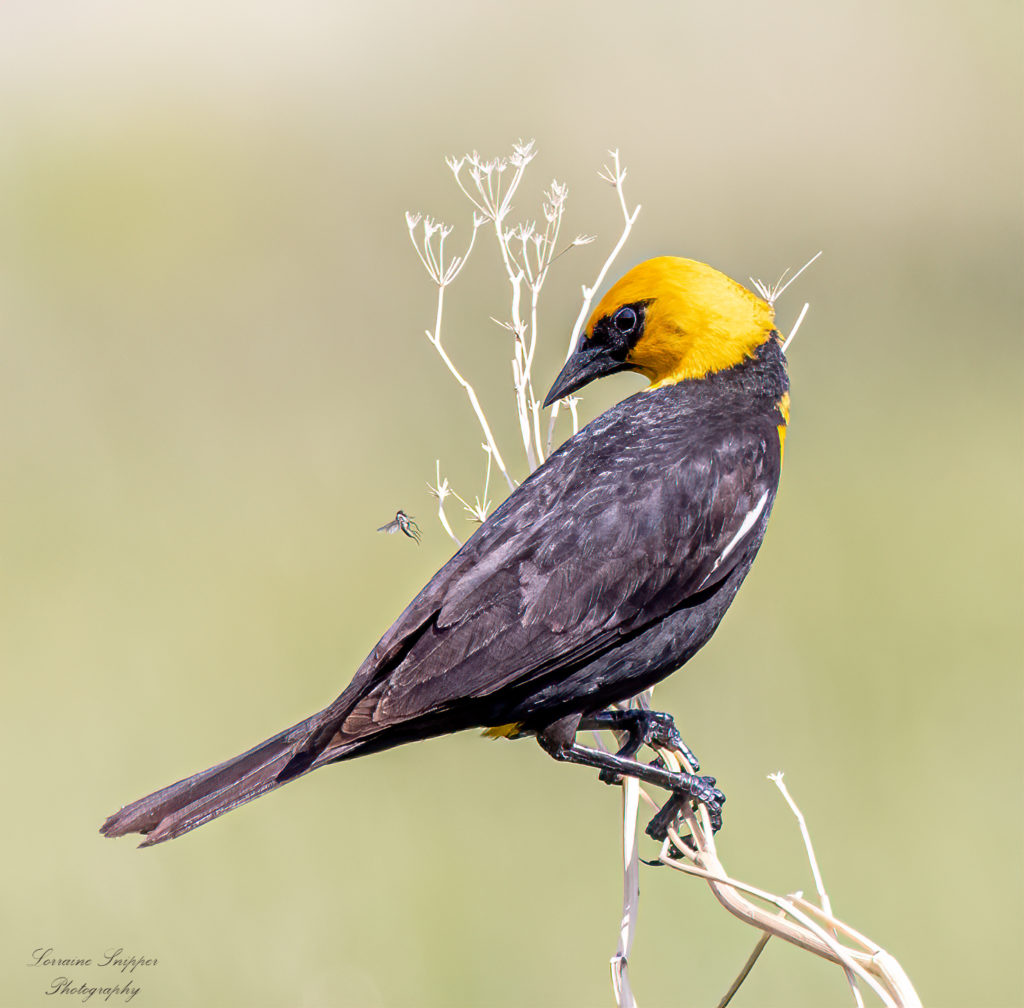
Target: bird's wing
{"type": "Point", "coordinates": [606, 537]}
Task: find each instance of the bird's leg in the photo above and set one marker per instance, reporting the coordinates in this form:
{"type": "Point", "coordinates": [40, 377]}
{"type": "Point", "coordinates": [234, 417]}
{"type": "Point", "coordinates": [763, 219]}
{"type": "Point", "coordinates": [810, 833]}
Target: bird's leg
{"type": "Point", "coordinates": [644, 727]}
{"type": "Point", "coordinates": [558, 740]}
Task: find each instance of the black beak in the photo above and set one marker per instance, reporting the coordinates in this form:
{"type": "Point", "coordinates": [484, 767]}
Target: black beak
{"type": "Point", "coordinates": [587, 363]}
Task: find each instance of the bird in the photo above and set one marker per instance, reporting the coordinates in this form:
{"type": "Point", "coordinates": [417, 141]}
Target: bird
{"type": "Point", "coordinates": [601, 574]}
{"type": "Point", "coordinates": [402, 521]}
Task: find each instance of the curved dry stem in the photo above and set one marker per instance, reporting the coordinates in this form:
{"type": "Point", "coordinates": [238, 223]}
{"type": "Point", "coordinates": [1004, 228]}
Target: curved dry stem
{"type": "Point", "coordinates": [527, 253]}
{"type": "Point", "coordinates": [435, 340]}
{"type": "Point", "coordinates": [696, 854]}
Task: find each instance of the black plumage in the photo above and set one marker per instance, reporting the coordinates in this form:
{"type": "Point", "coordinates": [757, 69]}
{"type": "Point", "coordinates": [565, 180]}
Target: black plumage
{"type": "Point", "coordinates": [602, 573]}
{"type": "Point", "coordinates": [605, 571]}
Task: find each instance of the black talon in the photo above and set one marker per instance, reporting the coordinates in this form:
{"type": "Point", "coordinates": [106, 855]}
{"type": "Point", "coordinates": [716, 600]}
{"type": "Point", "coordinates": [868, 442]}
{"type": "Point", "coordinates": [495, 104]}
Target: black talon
{"type": "Point", "coordinates": [643, 727]}
{"type": "Point", "coordinates": [695, 789]}
{"type": "Point", "coordinates": [657, 828]}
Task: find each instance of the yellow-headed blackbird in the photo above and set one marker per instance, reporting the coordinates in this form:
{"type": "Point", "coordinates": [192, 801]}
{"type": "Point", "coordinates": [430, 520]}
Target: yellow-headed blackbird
{"type": "Point", "coordinates": [607, 569]}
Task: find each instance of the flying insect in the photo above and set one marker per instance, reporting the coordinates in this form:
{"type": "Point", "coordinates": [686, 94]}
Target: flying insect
{"type": "Point", "coordinates": [402, 522]}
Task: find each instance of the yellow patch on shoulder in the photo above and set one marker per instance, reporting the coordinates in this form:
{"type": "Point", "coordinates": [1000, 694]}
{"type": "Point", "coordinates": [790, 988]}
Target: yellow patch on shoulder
{"type": "Point", "coordinates": [783, 406]}
{"type": "Point", "coordinates": [697, 320]}
{"type": "Point", "coordinates": [503, 731]}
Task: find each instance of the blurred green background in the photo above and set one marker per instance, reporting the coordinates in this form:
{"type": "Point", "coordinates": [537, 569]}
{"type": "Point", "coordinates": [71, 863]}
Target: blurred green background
{"type": "Point", "coordinates": [214, 387]}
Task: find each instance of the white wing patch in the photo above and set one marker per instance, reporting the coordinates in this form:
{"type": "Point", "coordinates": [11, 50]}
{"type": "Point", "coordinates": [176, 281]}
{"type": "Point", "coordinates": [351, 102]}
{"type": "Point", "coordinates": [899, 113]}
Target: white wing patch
{"type": "Point", "coordinates": [745, 527]}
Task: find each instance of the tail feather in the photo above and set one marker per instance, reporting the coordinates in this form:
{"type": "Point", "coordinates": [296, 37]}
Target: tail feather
{"type": "Point", "coordinates": [189, 803]}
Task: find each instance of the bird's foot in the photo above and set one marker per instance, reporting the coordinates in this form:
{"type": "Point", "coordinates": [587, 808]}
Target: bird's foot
{"type": "Point", "coordinates": [664, 734]}
{"type": "Point", "coordinates": [642, 727]}
{"type": "Point", "coordinates": [684, 787]}
{"type": "Point", "coordinates": [699, 790]}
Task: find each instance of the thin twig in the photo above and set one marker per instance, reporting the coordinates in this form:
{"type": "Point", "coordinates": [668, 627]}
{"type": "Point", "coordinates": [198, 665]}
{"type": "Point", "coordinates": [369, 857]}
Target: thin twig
{"type": "Point", "coordinates": [624, 997]}
{"type": "Point", "coordinates": [632, 792]}
{"type": "Point", "coordinates": [772, 292]}
{"type": "Point", "coordinates": [776, 779]}
{"type": "Point", "coordinates": [615, 177]}
{"type": "Point", "coordinates": [826, 945]}
{"type": "Point", "coordinates": [813, 861]}
{"type": "Point", "coordinates": [441, 490]}
{"type": "Point", "coordinates": [796, 326]}
{"type": "Point", "coordinates": [527, 254]}
{"type": "Point", "coordinates": [435, 340]}
{"type": "Point", "coordinates": [779, 291]}
{"type": "Point", "coordinates": [745, 970]}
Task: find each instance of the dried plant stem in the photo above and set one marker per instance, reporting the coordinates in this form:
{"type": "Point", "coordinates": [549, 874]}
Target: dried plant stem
{"type": "Point", "coordinates": [727, 891]}
{"type": "Point", "coordinates": [631, 795]}
{"type": "Point", "coordinates": [621, 987]}
{"type": "Point", "coordinates": [435, 340]}
{"type": "Point", "coordinates": [521, 363]}
{"type": "Point", "coordinates": [745, 970]}
{"type": "Point", "coordinates": [616, 176]}
{"type": "Point", "coordinates": [796, 327]}
{"type": "Point", "coordinates": [441, 490]}
{"type": "Point", "coordinates": [696, 855]}
{"type": "Point", "coordinates": [819, 884]}
{"type": "Point", "coordinates": [776, 779]}
{"type": "Point", "coordinates": [772, 292]}
{"type": "Point", "coordinates": [527, 253]}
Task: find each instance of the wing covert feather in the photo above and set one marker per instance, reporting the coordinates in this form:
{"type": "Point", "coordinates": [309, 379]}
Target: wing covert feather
{"type": "Point", "coordinates": [575, 557]}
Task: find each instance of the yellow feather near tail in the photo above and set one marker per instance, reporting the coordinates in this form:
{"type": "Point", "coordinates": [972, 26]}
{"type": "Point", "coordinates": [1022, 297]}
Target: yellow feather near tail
{"type": "Point", "coordinates": [503, 731]}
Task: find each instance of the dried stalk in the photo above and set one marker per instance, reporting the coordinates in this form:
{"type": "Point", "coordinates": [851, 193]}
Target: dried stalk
{"type": "Point", "coordinates": [631, 794]}
{"type": "Point", "coordinates": [527, 254]}
{"type": "Point", "coordinates": [615, 176]}
{"type": "Point", "coordinates": [630, 895]}
{"type": "Point", "coordinates": [812, 928]}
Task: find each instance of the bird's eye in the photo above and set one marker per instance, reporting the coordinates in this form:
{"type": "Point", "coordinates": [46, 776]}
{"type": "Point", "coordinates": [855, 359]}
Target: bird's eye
{"type": "Point", "coordinates": [625, 320]}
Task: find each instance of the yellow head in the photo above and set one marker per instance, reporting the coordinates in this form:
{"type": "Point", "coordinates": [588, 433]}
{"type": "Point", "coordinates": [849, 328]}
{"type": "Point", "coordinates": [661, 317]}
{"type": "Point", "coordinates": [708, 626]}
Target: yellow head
{"type": "Point", "coordinates": [670, 319]}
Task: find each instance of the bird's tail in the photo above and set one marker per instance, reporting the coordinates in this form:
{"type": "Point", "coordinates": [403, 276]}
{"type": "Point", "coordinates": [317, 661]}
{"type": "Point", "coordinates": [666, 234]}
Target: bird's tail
{"type": "Point", "coordinates": [181, 807]}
